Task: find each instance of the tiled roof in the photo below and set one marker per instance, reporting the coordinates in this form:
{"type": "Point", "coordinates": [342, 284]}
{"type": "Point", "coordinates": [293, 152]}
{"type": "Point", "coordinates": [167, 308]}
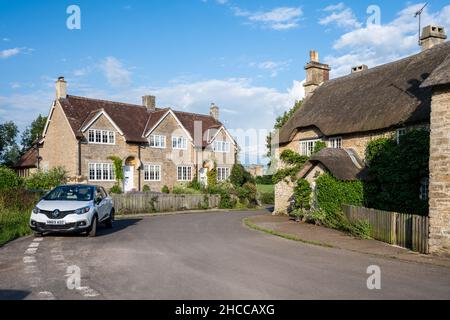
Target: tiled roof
{"type": "Point", "coordinates": [133, 120]}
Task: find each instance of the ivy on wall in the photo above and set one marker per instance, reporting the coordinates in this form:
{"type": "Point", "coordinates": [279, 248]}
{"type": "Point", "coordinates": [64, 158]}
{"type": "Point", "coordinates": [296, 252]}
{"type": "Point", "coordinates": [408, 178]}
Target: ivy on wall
{"type": "Point", "coordinates": [295, 163]}
{"type": "Point", "coordinates": [396, 172]}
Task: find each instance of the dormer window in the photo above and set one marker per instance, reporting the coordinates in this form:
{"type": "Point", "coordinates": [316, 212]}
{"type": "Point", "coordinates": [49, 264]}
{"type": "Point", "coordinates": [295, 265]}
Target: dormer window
{"type": "Point", "coordinates": [221, 146]}
{"type": "Point", "coordinates": [157, 141]}
{"type": "Point", "coordinates": [101, 136]}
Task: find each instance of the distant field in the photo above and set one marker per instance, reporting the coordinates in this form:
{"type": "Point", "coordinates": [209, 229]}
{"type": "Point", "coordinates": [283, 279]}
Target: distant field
{"type": "Point", "coordinates": [266, 188]}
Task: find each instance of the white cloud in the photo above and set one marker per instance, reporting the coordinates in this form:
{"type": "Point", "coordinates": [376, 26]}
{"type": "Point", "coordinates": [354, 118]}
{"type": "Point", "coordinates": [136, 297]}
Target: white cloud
{"type": "Point", "coordinates": [274, 67]}
{"type": "Point", "coordinates": [282, 18]}
{"type": "Point", "coordinates": [7, 53]}
{"type": "Point", "coordinates": [116, 74]}
{"type": "Point", "coordinates": [378, 44]}
{"type": "Point", "coordinates": [335, 7]}
{"type": "Point", "coordinates": [343, 18]}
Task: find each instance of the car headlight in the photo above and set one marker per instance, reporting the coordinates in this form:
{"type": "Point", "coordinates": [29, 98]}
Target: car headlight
{"type": "Point", "coordinates": [83, 210]}
{"type": "Point", "coordinates": [36, 210]}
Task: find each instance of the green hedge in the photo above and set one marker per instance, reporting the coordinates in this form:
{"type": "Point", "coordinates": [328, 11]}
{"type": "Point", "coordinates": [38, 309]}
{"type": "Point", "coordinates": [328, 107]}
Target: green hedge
{"type": "Point", "coordinates": [9, 179]}
{"type": "Point", "coordinates": [332, 193]}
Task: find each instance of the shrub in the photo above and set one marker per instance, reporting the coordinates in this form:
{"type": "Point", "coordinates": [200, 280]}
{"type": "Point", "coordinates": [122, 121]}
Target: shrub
{"type": "Point", "coordinates": [332, 193]}
{"type": "Point", "coordinates": [227, 201]}
{"type": "Point", "coordinates": [181, 189]}
{"type": "Point", "coordinates": [116, 189]}
{"type": "Point", "coordinates": [118, 168]}
{"type": "Point", "coordinates": [267, 198]}
{"type": "Point", "coordinates": [267, 179]}
{"type": "Point", "coordinates": [46, 180]}
{"type": "Point", "coordinates": [239, 176]}
{"type": "Point", "coordinates": [9, 179]}
{"type": "Point", "coordinates": [146, 188]}
{"type": "Point", "coordinates": [165, 189]}
{"type": "Point", "coordinates": [195, 184]}
{"type": "Point", "coordinates": [302, 195]}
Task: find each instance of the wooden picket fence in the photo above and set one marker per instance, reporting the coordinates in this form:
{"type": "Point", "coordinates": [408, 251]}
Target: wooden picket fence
{"type": "Point", "coordinates": [131, 203]}
{"type": "Point", "coordinates": [404, 230]}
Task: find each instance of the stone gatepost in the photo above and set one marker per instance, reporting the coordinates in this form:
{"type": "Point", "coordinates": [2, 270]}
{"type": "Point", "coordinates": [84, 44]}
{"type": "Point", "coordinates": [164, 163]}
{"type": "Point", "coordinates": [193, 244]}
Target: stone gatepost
{"type": "Point", "coordinates": [439, 237]}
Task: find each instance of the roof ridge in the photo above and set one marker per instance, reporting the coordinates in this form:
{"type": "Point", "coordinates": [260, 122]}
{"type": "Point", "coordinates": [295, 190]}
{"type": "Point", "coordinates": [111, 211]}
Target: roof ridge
{"type": "Point", "coordinates": [387, 64]}
{"type": "Point", "coordinates": [108, 101]}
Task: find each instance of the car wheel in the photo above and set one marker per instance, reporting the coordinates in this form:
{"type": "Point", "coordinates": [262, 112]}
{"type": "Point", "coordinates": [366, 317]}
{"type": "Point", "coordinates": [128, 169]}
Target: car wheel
{"type": "Point", "coordinates": [93, 232]}
{"type": "Point", "coordinates": [110, 222]}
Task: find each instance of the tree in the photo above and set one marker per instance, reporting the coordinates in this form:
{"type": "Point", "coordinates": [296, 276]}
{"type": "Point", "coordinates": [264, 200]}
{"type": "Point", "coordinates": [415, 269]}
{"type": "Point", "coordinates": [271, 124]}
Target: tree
{"type": "Point", "coordinates": [279, 123]}
{"type": "Point", "coordinates": [33, 132]}
{"type": "Point", "coordinates": [8, 145]}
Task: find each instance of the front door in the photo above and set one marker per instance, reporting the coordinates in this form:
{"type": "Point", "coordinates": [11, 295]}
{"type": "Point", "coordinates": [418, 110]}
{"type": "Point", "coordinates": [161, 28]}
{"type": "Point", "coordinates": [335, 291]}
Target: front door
{"type": "Point", "coordinates": [128, 181]}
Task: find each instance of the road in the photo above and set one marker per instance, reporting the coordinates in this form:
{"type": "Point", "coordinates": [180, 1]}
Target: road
{"type": "Point", "coordinates": [202, 256]}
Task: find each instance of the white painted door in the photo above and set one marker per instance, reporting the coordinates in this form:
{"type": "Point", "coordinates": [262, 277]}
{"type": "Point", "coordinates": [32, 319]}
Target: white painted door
{"type": "Point", "coordinates": [128, 181]}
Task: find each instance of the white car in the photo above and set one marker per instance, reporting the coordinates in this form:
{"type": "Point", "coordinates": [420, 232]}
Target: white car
{"type": "Point", "coordinates": [73, 208]}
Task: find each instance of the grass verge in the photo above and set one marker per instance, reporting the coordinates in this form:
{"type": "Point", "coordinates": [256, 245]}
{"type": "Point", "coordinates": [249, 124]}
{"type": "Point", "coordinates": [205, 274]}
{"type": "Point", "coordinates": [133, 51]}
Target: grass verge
{"type": "Point", "coordinates": [253, 226]}
{"type": "Point", "coordinates": [13, 224]}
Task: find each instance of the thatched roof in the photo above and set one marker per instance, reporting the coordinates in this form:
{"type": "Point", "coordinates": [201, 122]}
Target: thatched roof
{"type": "Point", "coordinates": [440, 76]}
{"type": "Point", "coordinates": [28, 160]}
{"type": "Point", "coordinates": [382, 97]}
{"type": "Point", "coordinates": [344, 164]}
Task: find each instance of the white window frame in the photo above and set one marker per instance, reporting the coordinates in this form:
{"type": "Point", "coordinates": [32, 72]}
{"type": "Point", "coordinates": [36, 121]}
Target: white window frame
{"type": "Point", "coordinates": [221, 146]}
{"type": "Point", "coordinates": [154, 169]}
{"type": "Point", "coordinates": [399, 133]}
{"type": "Point", "coordinates": [101, 172]}
{"type": "Point", "coordinates": [184, 173]}
{"type": "Point", "coordinates": [179, 143]}
{"type": "Point", "coordinates": [157, 141]}
{"type": "Point", "coordinates": [424, 193]}
{"type": "Point", "coordinates": [223, 173]}
{"type": "Point", "coordinates": [307, 147]}
{"type": "Point", "coordinates": [98, 136]}
{"type": "Point", "coordinates": [335, 143]}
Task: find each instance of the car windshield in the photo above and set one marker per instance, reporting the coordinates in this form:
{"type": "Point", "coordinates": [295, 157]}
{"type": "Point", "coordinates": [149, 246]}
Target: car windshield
{"type": "Point", "coordinates": [71, 193]}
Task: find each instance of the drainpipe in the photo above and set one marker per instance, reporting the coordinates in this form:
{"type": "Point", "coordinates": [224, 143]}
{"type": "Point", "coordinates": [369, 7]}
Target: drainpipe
{"type": "Point", "coordinates": [139, 168]}
{"type": "Point", "coordinates": [79, 158]}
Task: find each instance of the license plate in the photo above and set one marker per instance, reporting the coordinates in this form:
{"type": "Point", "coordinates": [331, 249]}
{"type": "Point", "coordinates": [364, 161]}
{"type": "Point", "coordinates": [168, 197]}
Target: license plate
{"type": "Point", "coordinates": [56, 222]}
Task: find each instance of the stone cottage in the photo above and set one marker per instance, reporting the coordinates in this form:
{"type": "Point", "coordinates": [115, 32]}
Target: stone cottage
{"type": "Point", "coordinates": [348, 112]}
{"type": "Point", "coordinates": [158, 146]}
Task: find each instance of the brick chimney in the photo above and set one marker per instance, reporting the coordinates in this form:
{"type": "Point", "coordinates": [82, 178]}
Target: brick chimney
{"type": "Point", "coordinates": [149, 102]}
{"type": "Point", "coordinates": [316, 73]}
{"type": "Point", "coordinates": [432, 36]}
{"type": "Point", "coordinates": [61, 88]}
{"type": "Point", "coordinates": [214, 111]}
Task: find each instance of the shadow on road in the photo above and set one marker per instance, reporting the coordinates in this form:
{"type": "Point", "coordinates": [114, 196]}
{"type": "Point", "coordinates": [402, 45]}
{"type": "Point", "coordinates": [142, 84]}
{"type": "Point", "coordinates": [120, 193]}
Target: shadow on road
{"type": "Point", "coordinates": [13, 294]}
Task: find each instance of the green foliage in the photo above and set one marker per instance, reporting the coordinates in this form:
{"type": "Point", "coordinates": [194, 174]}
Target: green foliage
{"type": "Point", "coordinates": [239, 176]}
{"type": "Point", "coordinates": [265, 180]}
{"type": "Point", "coordinates": [212, 176]}
{"type": "Point", "coordinates": [9, 151]}
{"type": "Point", "coordinates": [318, 146]}
{"type": "Point", "coordinates": [332, 193]}
{"type": "Point", "coordinates": [165, 189]}
{"type": "Point", "coordinates": [227, 201]}
{"type": "Point", "coordinates": [146, 188]}
{"type": "Point", "coordinates": [118, 168]}
{"type": "Point", "coordinates": [46, 180]}
{"type": "Point", "coordinates": [396, 172]}
{"type": "Point", "coordinates": [195, 184]}
{"type": "Point", "coordinates": [267, 197]}
{"type": "Point", "coordinates": [302, 195]}
{"type": "Point", "coordinates": [9, 179]}
{"type": "Point", "coordinates": [279, 123]}
{"type": "Point", "coordinates": [33, 132]}
{"type": "Point", "coordinates": [295, 163]}
{"type": "Point", "coordinates": [183, 189]}
{"type": "Point", "coordinates": [116, 189]}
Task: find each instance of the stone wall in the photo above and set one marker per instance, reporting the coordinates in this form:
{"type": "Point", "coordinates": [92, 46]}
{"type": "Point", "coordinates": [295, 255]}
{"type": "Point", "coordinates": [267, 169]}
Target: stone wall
{"type": "Point", "coordinates": [440, 172]}
{"type": "Point", "coordinates": [61, 146]}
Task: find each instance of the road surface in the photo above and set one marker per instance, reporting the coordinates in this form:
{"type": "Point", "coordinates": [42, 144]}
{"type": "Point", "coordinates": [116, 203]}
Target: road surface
{"type": "Point", "coordinates": [202, 256]}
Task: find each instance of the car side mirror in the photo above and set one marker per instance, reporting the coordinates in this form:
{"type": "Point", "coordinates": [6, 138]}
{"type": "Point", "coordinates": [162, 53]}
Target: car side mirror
{"type": "Point", "coordinates": [98, 200]}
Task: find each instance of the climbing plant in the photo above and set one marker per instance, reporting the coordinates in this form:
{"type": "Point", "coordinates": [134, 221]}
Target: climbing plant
{"type": "Point", "coordinates": [118, 168]}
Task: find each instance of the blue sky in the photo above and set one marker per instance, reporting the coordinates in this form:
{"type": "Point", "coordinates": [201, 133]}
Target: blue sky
{"type": "Point", "coordinates": [246, 56]}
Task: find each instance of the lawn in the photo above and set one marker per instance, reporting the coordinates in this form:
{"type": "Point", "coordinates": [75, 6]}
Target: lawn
{"type": "Point", "coordinates": [266, 188]}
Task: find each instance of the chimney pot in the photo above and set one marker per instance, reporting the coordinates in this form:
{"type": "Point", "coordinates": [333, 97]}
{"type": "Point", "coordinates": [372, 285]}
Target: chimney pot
{"type": "Point", "coordinates": [214, 111]}
{"type": "Point", "coordinates": [432, 36]}
{"type": "Point", "coordinates": [149, 102]}
{"type": "Point", "coordinates": [360, 68]}
{"type": "Point", "coordinates": [61, 88]}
